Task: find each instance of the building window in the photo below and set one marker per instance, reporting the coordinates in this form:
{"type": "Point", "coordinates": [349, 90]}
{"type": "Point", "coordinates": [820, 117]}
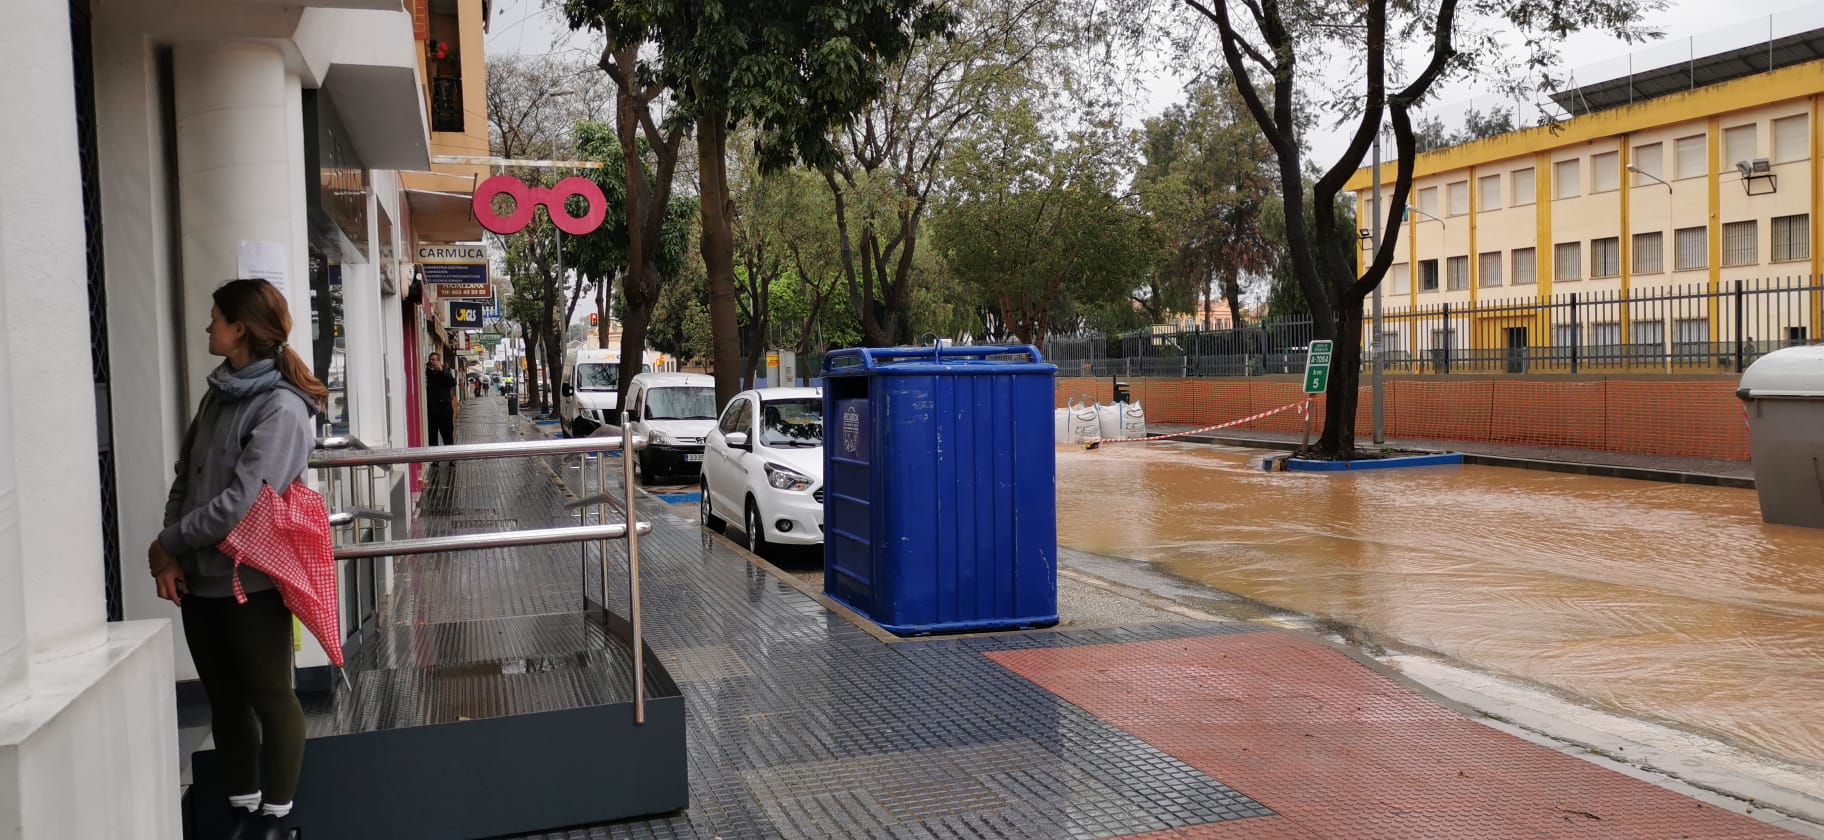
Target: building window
{"type": "Point", "coordinates": [1567, 261]}
{"type": "Point", "coordinates": [1691, 335]}
{"type": "Point", "coordinates": [1428, 275]}
{"type": "Point", "coordinates": [1458, 196]}
{"type": "Point", "coordinates": [1739, 143]}
{"type": "Point", "coordinates": [1443, 339]}
{"type": "Point", "coordinates": [1488, 192]}
{"type": "Point", "coordinates": [1459, 273]}
{"type": "Point", "coordinates": [1488, 269]}
{"type": "Point", "coordinates": [1792, 238]}
{"type": "Point", "coordinates": [1739, 241]}
{"type": "Point", "coordinates": [1605, 335]}
{"type": "Point", "coordinates": [1526, 267]}
{"type": "Point", "coordinates": [1428, 201]}
{"type": "Point", "coordinates": [1650, 160]}
{"type": "Point", "coordinates": [1651, 333]}
{"type": "Point", "coordinates": [1692, 249]}
{"type": "Point", "coordinates": [1605, 257]}
{"type": "Point", "coordinates": [1400, 278]}
{"type": "Point", "coordinates": [1790, 139]}
{"type": "Point", "coordinates": [1690, 151]}
{"type": "Point", "coordinates": [1649, 253]}
{"type": "Point", "coordinates": [1563, 336]}
{"type": "Point", "coordinates": [1605, 172]}
{"type": "Point", "coordinates": [1567, 180]}
{"type": "Point", "coordinates": [1524, 190]}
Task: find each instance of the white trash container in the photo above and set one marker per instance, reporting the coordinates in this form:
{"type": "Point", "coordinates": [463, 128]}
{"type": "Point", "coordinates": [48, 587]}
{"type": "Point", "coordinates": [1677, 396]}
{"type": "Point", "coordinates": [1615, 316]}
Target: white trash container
{"type": "Point", "coordinates": [1784, 391]}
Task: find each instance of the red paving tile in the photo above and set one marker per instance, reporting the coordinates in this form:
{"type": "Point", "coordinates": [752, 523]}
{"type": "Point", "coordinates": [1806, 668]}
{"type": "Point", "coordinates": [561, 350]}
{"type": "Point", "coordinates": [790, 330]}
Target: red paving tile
{"type": "Point", "coordinates": [1341, 752]}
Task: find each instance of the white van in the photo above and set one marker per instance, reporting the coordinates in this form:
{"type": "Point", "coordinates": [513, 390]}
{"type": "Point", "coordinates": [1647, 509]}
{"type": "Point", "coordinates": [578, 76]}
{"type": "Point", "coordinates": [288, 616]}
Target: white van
{"type": "Point", "coordinates": [591, 386]}
{"type": "Point", "coordinates": [675, 412]}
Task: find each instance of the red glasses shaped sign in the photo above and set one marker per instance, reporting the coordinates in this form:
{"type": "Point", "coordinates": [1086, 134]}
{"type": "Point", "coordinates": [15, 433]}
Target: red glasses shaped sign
{"type": "Point", "coordinates": [526, 199]}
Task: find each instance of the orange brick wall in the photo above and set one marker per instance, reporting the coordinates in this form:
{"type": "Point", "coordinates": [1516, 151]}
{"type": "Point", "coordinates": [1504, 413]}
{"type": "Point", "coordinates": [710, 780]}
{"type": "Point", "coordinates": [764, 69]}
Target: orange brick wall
{"type": "Point", "coordinates": [1696, 418]}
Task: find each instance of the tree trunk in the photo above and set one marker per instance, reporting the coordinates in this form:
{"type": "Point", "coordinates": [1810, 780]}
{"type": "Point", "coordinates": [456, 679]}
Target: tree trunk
{"type": "Point", "coordinates": [554, 366]}
{"type": "Point", "coordinates": [601, 313]}
{"type": "Point", "coordinates": [633, 345]}
{"type": "Point", "coordinates": [530, 343]}
{"type": "Point", "coordinates": [718, 250]}
{"type": "Point", "coordinates": [1231, 289]}
{"type": "Point", "coordinates": [1344, 391]}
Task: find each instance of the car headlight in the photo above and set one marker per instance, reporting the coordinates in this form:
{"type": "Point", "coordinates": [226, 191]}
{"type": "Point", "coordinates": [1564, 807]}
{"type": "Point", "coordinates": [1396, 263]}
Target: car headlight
{"type": "Point", "coordinates": [658, 438]}
{"type": "Point", "coordinates": [786, 478]}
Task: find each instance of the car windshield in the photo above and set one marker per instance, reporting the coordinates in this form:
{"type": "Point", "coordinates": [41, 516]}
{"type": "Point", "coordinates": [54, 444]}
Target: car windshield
{"type": "Point", "coordinates": [681, 404]}
{"type": "Point", "coordinates": [791, 423]}
{"type": "Point", "coordinates": [598, 376]}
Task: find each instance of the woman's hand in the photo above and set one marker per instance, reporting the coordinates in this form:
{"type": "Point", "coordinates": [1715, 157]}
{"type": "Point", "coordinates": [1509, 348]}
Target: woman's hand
{"type": "Point", "coordinates": [167, 573]}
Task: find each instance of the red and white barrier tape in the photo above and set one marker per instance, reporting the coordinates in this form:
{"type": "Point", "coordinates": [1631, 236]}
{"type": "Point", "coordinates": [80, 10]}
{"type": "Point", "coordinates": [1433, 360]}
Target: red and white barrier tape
{"type": "Point", "coordinates": [1303, 406]}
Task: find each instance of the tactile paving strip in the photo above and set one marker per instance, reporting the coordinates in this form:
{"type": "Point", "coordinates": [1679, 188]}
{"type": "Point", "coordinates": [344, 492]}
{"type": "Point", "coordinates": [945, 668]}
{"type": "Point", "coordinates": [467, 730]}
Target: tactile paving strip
{"type": "Point", "coordinates": [1339, 751]}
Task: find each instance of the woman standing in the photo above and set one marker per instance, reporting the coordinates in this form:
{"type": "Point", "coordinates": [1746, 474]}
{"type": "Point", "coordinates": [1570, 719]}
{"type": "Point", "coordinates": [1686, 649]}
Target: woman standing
{"type": "Point", "coordinates": [252, 429]}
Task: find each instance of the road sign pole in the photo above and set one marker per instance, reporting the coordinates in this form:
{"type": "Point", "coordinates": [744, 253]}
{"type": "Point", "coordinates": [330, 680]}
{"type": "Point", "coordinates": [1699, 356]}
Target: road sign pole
{"type": "Point", "coordinates": [1317, 377]}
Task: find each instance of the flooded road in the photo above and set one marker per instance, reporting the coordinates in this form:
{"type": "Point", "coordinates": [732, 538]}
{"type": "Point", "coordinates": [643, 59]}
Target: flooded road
{"type": "Point", "coordinates": [1663, 600]}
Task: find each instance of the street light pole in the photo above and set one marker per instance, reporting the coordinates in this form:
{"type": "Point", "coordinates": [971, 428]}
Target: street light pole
{"type": "Point", "coordinates": [1375, 348]}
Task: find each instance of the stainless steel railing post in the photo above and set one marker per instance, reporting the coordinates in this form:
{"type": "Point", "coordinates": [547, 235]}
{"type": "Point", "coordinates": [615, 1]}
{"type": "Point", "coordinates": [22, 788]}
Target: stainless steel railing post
{"type": "Point", "coordinates": [633, 577]}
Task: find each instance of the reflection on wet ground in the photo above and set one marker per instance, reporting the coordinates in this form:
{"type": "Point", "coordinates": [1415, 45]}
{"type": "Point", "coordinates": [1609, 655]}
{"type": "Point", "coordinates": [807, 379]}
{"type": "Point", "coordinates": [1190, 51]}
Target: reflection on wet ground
{"type": "Point", "coordinates": [1663, 600]}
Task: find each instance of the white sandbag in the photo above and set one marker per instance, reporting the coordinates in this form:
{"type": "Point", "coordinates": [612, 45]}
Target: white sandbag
{"type": "Point", "coordinates": [1061, 419]}
{"type": "Point", "coordinates": [1085, 424]}
{"type": "Point", "coordinates": [1108, 419]}
{"type": "Point", "coordinates": [1133, 420]}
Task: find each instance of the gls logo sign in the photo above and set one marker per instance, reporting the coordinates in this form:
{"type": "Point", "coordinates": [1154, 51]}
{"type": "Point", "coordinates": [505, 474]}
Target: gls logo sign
{"type": "Point", "coordinates": [526, 199]}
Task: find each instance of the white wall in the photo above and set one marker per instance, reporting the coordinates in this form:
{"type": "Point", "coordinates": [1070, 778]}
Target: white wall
{"type": "Point", "coordinates": [151, 400]}
{"type": "Point", "coordinates": [91, 751]}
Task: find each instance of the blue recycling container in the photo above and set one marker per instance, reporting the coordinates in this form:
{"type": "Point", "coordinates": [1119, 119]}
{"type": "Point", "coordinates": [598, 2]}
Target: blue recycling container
{"type": "Point", "coordinates": [939, 478]}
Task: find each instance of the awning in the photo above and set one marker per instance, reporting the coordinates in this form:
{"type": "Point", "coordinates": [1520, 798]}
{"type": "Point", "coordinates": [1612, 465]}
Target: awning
{"type": "Point", "coordinates": [443, 216]}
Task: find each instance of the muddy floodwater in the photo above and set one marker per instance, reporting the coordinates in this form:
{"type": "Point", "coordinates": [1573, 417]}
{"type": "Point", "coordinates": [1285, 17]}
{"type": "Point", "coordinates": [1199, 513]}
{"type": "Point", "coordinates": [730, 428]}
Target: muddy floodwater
{"type": "Point", "coordinates": [1662, 600]}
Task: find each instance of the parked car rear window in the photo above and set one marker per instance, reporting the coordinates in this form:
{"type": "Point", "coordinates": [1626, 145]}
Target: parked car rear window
{"type": "Point", "coordinates": [792, 423]}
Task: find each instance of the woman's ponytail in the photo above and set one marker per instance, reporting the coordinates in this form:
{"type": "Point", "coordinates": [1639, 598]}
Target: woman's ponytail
{"type": "Point", "coordinates": [262, 309]}
{"type": "Point", "coordinates": [292, 367]}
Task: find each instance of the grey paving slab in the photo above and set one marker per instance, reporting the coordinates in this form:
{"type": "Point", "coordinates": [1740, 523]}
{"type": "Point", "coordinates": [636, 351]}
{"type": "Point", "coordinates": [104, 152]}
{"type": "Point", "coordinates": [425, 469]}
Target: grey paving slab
{"type": "Point", "coordinates": [800, 724]}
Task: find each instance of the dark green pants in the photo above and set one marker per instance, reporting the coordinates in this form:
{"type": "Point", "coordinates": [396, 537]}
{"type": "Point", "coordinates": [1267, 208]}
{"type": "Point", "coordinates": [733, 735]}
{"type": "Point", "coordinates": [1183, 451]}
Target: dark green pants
{"type": "Point", "coordinates": [243, 655]}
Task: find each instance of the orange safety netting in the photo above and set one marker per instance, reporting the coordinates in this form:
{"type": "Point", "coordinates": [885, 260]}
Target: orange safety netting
{"type": "Point", "coordinates": [1699, 418]}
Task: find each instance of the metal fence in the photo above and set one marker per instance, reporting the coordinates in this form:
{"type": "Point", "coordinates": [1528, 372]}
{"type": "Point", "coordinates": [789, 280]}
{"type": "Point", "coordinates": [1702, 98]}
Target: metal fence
{"type": "Point", "coordinates": [1669, 329]}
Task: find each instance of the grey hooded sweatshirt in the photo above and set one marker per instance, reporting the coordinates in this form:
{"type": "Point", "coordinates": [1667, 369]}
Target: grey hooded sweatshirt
{"type": "Point", "coordinates": [254, 428]}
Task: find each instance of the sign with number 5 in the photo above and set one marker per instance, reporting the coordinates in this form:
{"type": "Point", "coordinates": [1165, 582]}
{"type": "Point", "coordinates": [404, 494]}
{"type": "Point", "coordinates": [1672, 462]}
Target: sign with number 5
{"type": "Point", "coordinates": [526, 199]}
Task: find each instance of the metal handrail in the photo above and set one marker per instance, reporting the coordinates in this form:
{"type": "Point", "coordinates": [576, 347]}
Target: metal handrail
{"type": "Point", "coordinates": [496, 539]}
{"type": "Point", "coordinates": [470, 451]}
{"type": "Point", "coordinates": [342, 451]}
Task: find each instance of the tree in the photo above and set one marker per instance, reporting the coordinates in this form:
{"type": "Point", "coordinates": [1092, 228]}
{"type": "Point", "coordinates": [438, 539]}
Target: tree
{"type": "Point", "coordinates": [890, 156]}
{"type": "Point", "coordinates": [1207, 176]}
{"type": "Point", "coordinates": [795, 70]}
{"type": "Point", "coordinates": [1262, 44]}
{"type": "Point", "coordinates": [1033, 227]}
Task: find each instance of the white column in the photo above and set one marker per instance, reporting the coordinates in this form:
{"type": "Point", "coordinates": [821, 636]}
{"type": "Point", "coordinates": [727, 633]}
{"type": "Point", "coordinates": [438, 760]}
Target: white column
{"type": "Point", "coordinates": [47, 341]}
{"type": "Point", "coordinates": [91, 750]}
{"type": "Point", "coordinates": [15, 652]}
{"type": "Point", "coordinates": [235, 178]}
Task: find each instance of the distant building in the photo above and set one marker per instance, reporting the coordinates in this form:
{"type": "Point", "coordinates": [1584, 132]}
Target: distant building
{"type": "Point", "coordinates": [1690, 176]}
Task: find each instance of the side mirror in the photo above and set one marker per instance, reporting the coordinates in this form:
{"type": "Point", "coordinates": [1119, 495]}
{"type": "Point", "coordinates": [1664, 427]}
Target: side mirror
{"type": "Point", "coordinates": [737, 440]}
{"type": "Point", "coordinates": [569, 390]}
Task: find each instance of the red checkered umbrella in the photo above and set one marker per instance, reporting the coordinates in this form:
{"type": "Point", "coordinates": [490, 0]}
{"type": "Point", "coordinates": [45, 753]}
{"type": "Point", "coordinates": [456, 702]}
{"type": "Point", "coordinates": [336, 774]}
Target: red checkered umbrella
{"type": "Point", "coordinates": [287, 537]}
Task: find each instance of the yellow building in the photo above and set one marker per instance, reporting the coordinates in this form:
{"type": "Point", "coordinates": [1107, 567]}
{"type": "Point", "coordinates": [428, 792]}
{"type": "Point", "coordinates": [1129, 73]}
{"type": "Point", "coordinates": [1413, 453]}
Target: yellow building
{"type": "Point", "coordinates": [1648, 209]}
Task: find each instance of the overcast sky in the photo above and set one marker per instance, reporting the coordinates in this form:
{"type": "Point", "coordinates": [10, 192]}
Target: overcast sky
{"type": "Point", "coordinates": [533, 27]}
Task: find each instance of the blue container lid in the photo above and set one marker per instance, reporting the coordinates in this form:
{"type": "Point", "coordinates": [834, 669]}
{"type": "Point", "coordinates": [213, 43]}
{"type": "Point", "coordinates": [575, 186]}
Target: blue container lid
{"type": "Point", "coordinates": [923, 361]}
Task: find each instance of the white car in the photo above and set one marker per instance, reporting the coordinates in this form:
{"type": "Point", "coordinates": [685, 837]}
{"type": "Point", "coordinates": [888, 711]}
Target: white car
{"type": "Point", "coordinates": [674, 411]}
{"type": "Point", "coordinates": [763, 467]}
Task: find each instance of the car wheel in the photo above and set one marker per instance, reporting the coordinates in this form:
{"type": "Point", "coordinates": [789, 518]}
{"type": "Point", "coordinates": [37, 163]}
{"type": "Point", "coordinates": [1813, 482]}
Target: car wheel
{"type": "Point", "coordinates": [706, 517]}
{"type": "Point", "coordinates": [756, 532]}
{"type": "Point", "coordinates": [641, 469]}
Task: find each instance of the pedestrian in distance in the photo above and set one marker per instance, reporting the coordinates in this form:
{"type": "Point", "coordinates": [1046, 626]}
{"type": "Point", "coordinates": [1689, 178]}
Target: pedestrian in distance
{"type": "Point", "coordinates": [440, 401]}
{"type": "Point", "coordinates": [253, 428]}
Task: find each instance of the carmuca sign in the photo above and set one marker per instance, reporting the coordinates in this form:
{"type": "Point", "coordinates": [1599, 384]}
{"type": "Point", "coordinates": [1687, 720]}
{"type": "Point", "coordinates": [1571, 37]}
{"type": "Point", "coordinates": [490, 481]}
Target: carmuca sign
{"type": "Point", "coordinates": [454, 264]}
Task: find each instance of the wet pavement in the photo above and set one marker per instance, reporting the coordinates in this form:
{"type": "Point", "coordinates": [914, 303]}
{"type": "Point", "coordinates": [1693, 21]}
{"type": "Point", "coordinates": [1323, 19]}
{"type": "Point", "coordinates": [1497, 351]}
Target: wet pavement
{"type": "Point", "coordinates": [1672, 602]}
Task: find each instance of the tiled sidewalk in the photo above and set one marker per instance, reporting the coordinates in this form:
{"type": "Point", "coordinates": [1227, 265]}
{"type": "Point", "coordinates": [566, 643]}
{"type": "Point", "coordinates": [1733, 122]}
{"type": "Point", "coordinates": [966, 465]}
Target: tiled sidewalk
{"type": "Point", "coordinates": [801, 725]}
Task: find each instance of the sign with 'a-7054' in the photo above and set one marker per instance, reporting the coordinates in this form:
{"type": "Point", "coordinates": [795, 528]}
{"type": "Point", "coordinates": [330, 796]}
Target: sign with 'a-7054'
{"type": "Point", "coordinates": [1317, 367]}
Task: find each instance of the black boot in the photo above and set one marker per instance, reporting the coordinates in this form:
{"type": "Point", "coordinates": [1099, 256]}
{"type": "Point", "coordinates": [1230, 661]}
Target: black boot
{"type": "Point", "coordinates": [240, 823]}
{"type": "Point", "coordinates": [260, 827]}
